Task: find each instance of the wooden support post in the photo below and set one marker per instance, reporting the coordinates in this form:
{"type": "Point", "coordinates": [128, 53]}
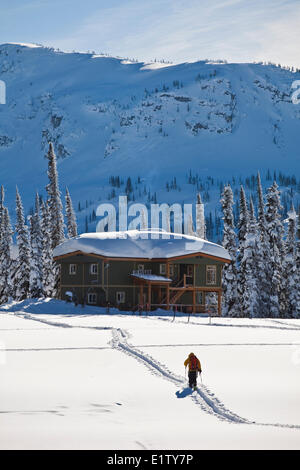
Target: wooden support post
{"type": "Point", "coordinates": [219, 302]}
{"type": "Point", "coordinates": [102, 265]}
{"type": "Point", "coordinates": [141, 302]}
{"type": "Point", "coordinates": [149, 296]}
{"type": "Point", "coordinates": [194, 301]}
{"type": "Point", "coordinates": [168, 297]}
{"type": "Point", "coordinates": [83, 267]}
{"type": "Point", "coordinates": [60, 274]}
{"type": "Point", "coordinates": [168, 269]}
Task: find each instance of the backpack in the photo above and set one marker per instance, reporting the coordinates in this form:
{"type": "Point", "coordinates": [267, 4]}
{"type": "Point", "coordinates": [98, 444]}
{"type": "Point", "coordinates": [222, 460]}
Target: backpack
{"type": "Point", "coordinates": [193, 363]}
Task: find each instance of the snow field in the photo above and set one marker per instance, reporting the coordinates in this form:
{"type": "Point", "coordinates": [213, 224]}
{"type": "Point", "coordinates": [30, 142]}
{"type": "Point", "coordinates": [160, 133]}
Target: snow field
{"type": "Point", "coordinates": [117, 382]}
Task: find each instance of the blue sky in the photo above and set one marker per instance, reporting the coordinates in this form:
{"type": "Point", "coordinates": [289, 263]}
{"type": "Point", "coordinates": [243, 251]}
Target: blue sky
{"type": "Point", "coordinates": [176, 30]}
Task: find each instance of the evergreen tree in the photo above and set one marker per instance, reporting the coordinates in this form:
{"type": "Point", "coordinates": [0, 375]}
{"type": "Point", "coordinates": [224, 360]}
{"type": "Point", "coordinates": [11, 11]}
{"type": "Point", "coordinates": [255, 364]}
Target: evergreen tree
{"type": "Point", "coordinates": [290, 274]}
{"type": "Point", "coordinates": [71, 217]}
{"type": "Point", "coordinates": [1, 205]}
{"type": "Point", "coordinates": [1, 212]}
{"type": "Point", "coordinates": [54, 201]}
{"type": "Point", "coordinates": [36, 253]}
{"type": "Point", "coordinates": [250, 265]}
{"type": "Point", "coordinates": [22, 273]}
{"type": "Point", "coordinates": [243, 226]}
{"type": "Point", "coordinates": [49, 267]}
{"type": "Point", "coordinates": [296, 306]}
{"type": "Point", "coordinates": [229, 273]}
{"type": "Point", "coordinates": [5, 257]}
{"type": "Point", "coordinates": [129, 187]}
{"type": "Point", "coordinates": [275, 252]}
{"type": "Point", "coordinates": [242, 223]}
{"type": "Point", "coordinates": [261, 219]}
{"type": "Point", "coordinates": [264, 253]}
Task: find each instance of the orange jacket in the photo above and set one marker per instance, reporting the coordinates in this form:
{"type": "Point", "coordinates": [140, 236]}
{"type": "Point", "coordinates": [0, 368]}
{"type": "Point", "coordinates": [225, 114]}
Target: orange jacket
{"type": "Point", "coordinates": [188, 361]}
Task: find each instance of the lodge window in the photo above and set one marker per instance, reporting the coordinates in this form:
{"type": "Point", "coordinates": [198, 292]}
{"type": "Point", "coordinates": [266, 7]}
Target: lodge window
{"type": "Point", "coordinates": [171, 270]}
{"type": "Point", "coordinates": [120, 297]}
{"type": "Point", "coordinates": [141, 268]}
{"type": "Point", "coordinates": [92, 298]}
{"type": "Point", "coordinates": [162, 269]}
{"type": "Point", "coordinates": [211, 275]}
{"type": "Point", "coordinates": [93, 268]}
{"type": "Point", "coordinates": [72, 268]}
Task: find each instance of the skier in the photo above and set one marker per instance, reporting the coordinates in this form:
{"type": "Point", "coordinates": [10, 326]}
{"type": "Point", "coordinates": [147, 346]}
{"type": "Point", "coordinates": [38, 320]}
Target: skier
{"type": "Point", "coordinates": [194, 366]}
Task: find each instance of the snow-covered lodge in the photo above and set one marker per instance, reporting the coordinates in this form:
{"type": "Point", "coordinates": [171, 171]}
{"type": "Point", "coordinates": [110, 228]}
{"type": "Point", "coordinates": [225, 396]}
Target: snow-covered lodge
{"type": "Point", "coordinates": [141, 270]}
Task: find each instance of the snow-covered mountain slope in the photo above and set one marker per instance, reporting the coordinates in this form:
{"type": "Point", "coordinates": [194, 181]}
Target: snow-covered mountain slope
{"type": "Point", "coordinates": [108, 116]}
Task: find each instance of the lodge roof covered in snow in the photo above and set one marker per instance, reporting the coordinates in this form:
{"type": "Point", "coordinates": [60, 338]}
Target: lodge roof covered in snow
{"type": "Point", "coordinates": [144, 244]}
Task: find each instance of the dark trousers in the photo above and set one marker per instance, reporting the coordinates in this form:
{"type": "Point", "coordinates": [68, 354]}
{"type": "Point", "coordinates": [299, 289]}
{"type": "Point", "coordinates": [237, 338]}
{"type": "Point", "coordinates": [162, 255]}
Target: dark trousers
{"type": "Point", "coordinates": [192, 378]}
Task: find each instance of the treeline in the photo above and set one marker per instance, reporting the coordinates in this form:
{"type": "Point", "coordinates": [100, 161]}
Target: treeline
{"type": "Point", "coordinates": [31, 271]}
{"type": "Point", "coordinates": [211, 189]}
{"type": "Point", "coordinates": [264, 277]}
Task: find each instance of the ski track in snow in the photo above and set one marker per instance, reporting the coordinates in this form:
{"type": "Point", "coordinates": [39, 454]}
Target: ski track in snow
{"type": "Point", "coordinates": [202, 397]}
{"type": "Point", "coordinates": [280, 322]}
{"type": "Point", "coordinates": [285, 326]}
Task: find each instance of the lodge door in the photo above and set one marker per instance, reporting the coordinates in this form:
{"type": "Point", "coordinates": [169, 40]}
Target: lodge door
{"type": "Point", "coordinates": [187, 270]}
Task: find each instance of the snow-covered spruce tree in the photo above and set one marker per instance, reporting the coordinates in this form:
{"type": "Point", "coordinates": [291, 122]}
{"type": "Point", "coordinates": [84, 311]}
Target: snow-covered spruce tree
{"type": "Point", "coordinates": [296, 310]}
{"type": "Point", "coordinates": [261, 218]}
{"type": "Point", "coordinates": [54, 201]}
{"type": "Point", "coordinates": [275, 255]}
{"type": "Point", "coordinates": [36, 253]}
{"type": "Point", "coordinates": [5, 257]}
{"type": "Point", "coordinates": [229, 273]}
{"type": "Point", "coordinates": [264, 293]}
{"type": "Point", "coordinates": [1, 213]}
{"type": "Point", "coordinates": [1, 205]}
{"type": "Point", "coordinates": [71, 217]}
{"type": "Point", "coordinates": [22, 272]}
{"type": "Point", "coordinates": [243, 225]}
{"type": "Point", "coordinates": [200, 218]}
{"type": "Point", "coordinates": [250, 265]}
{"type": "Point", "coordinates": [49, 268]}
{"type": "Point", "coordinates": [290, 274]}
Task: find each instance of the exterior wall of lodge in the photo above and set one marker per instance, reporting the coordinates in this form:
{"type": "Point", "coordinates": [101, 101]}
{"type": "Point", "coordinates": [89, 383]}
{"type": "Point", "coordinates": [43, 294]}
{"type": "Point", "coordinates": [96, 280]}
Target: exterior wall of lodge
{"type": "Point", "coordinates": [113, 277]}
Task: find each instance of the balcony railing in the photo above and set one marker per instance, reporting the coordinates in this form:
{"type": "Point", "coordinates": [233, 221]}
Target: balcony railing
{"type": "Point", "coordinates": [142, 271]}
